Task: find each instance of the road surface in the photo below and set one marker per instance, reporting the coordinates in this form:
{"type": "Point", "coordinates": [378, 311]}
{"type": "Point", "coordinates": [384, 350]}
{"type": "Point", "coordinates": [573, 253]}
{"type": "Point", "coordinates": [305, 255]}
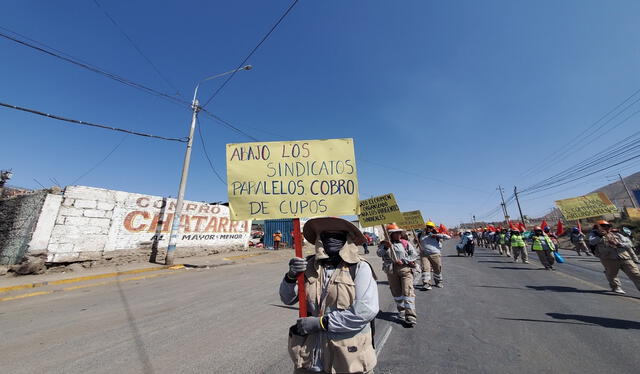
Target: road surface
{"type": "Point", "coordinates": [493, 316]}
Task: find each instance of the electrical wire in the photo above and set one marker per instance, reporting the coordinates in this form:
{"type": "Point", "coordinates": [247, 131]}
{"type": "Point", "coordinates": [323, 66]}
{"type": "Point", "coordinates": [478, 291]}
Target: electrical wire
{"type": "Point", "coordinates": [421, 176]}
{"type": "Point", "coordinates": [206, 154]}
{"type": "Point", "coordinates": [101, 161]}
{"type": "Point", "coordinates": [264, 38]}
{"type": "Point", "coordinates": [576, 140]}
{"type": "Point", "coordinates": [229, 125]}
{"type": "Point", "coordinates": [611, 154]}
{"type": "Point", "coordinates": [136, 47]}
{"type": "Point", "coordinates": [84, 123]}
{"type": "Point", "coordinates": [66, 57]}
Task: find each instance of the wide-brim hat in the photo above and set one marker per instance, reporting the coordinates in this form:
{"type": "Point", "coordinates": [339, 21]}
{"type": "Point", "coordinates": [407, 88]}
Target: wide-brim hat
{"type": "Point", "coordinates": [315, 226]}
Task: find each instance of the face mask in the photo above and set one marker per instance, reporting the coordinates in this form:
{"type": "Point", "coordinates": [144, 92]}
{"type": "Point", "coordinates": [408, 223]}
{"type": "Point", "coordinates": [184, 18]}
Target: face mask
{"type": "Point", "coordinates": [332, 242]}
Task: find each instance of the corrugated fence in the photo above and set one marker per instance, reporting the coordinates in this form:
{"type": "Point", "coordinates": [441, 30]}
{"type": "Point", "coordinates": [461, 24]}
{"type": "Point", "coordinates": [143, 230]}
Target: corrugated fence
{"type": "Point", "coordinates": [285, 226]}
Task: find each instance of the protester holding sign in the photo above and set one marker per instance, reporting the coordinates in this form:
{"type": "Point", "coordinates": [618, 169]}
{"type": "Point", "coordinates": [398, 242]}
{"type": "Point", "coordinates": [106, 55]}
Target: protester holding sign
{"type": "Point", "coordinates": [342, 300]}
{"type": "Point", "coordinates": [399, 260]}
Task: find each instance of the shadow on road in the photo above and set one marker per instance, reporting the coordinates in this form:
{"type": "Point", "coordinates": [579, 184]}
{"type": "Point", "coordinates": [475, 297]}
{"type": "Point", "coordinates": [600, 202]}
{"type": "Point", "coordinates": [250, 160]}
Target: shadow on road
{"type": "Point", "coordinates": [613, 323]}
{"type": "Point", "coordinates": [389, 316]}
{"type": "Point", "coordinates": [542, 320]}
{"type": "Point", "coordinates": [285, 306]}
{"type": "Point", "coordinates": [566, 289]}
{"type": "Point", "coordinates": [508, 288]}
{"type": "Point", "coordinates": [143, 355]}
{"type": "Point", "coordinates": [512, 268]}
{"type": "Point", "coordinates": [494, 262]}
{"type": "Point", "coordinates": [383, 282]}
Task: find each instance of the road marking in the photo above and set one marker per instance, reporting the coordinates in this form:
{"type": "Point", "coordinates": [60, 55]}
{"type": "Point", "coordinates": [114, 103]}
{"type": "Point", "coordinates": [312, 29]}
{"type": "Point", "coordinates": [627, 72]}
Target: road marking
{"type": "Point", "coordinates": [85, 278]}
{"type": "Point", "coordinates": [244, 256]}
{"type": "Point", "coordinates": [72, 288]}
{"type": "Point", "coordinates": [380, 345]}
{"type": "Point", "coordinates": [25, 295]}
{"type": "Point", "coordinates": [585, 282]}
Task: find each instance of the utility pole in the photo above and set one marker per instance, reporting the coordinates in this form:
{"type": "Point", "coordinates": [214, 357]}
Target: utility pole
{"type": "Point", "coordinates": [175, 226]}
{"type": "Point", "coordinates": [515, 192]}
{"type": "Point", "coordinates": [504, 206]}
{"type": "Point", "coordinates": [633, 202]}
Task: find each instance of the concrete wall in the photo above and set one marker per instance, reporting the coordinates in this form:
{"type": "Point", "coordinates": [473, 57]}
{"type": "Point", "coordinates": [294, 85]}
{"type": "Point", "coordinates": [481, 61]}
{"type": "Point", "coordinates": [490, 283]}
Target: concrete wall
{"type": "Point", "coordinates": [90, 223]}
{"type": "Point", "coordinates": [18, 218]}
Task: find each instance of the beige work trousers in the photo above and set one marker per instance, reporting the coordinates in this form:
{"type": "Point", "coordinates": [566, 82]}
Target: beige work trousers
{"type": "Point", "coordinates": [401, 284]}
{"type": "Point", "coordinates": [612, 267]}
{"type": "Point", "coordinates": [581, 246]}
{"type": "Point", "coordinates": [546, 258]}
{"type": "Point", "coordinates": [504, 249]}
{"type": "Point", "coordinates": [520, 252]}
{"type": "Point", "coordinates": [431, 264]}
{"type": "Point", "coordinates": [305, 371]}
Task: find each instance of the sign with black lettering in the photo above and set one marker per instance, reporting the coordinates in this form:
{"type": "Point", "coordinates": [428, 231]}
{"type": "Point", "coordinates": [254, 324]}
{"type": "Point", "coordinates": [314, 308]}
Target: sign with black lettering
{"type": "Point", "coordinates": [292, 179]}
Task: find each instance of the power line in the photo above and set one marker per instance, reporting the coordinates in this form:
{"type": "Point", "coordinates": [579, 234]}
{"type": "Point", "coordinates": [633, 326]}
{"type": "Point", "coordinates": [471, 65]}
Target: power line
{"type": "Point", "coordinates": [101, 161]}
{"type": "Point", "coordinates": [264, 38]}
{"type": "Point", "coordinates": [204, 148]}
{"type": "Point", "coordinates": [51, 52]}
{"type": "Point", "coordinates": [136, 47]}
{"type": "Point", "coordinates": [84, 123]}
{"type": "Point", "coordinates": [229, 125]}
{"type": "Point", "coordinates": [422, 176]}
{"type": "Point", "coordinates": [576, 139]}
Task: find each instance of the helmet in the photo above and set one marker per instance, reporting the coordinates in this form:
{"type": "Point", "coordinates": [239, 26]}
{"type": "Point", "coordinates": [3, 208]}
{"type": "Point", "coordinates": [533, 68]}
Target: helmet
{"type": "Point", "coordinates": [626, 231]}
{"type": "Point", "coordinates": [603, 222]}
{"type": "Point", "coordinates": [537, 228]}
{"type": "Point", "coordinates": [392, 227]}
{"type": "Point", "coordinates": [547, 229]}
{"type": "Point", "coordinates": [575, 229]}
{"type": "Point", "coordinates": [430, 224]}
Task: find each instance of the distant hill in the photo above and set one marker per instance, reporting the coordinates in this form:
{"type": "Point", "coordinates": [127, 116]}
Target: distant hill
{"type": "Point", "coordinates": [616, 192]}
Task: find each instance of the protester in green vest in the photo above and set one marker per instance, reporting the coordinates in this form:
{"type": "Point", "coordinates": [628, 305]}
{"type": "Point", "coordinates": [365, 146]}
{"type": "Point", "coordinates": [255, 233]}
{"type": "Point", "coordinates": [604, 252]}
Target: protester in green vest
{"type": "Point", "coordinates": [544, 247]}
{"type": "Point", "coordinates": [503, 243]}
{"type": "Point", "coordinates": [518, 247]}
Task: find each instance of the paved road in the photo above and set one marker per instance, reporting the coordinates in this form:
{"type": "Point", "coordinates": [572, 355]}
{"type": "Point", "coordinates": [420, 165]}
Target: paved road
{"type": "Point", "coordinates": [492, 317]}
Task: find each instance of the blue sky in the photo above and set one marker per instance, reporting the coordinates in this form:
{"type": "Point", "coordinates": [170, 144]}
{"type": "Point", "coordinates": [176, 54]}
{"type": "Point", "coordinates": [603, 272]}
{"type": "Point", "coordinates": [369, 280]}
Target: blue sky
{"type": "Point", "coordinates": [451, 97]}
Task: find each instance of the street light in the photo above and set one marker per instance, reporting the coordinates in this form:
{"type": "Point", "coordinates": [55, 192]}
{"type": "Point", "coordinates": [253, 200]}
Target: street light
{"type": "Point", "coordinates": [175, 226]}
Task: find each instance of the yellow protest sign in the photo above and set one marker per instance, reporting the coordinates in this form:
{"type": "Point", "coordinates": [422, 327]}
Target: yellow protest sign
{"type": "Point", "coordinates": [633, 213]}
{"type": "Point", "coordinates": [411, 220]}
{"type": "Point", "coordinates": [292, 179]}
{"type": "Point", "coordinates": [379, 210]}
{"type": "Point", "coordinates": [592, 205]}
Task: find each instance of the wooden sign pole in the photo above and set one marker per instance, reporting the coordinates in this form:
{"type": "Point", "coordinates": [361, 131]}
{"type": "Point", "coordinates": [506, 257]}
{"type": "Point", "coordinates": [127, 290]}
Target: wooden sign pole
{"type": "Point", "coordinates": [297, 244]}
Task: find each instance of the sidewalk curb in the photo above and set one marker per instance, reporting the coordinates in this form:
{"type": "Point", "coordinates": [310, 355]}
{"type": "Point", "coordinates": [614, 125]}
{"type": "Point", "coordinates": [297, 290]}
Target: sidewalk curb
{"type": "Point", "coordinates": [88, 277]}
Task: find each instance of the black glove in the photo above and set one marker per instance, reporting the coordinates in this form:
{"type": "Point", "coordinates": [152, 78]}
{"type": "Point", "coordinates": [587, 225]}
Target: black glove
{"type": "Point", "coordinates": [297, 265]}
{"type": "Point", "coordinates": [308, 325]}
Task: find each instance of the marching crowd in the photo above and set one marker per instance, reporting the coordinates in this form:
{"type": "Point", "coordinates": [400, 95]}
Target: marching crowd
{"type": "Point", "coordinates": [336, 335]}
{"type": "Point", "coordinates": [613, 247]}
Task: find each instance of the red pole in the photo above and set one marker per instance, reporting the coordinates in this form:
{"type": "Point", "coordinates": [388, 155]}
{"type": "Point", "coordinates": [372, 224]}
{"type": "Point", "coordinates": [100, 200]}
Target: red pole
{"type": "Point", "coordinates": [297, 244]}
